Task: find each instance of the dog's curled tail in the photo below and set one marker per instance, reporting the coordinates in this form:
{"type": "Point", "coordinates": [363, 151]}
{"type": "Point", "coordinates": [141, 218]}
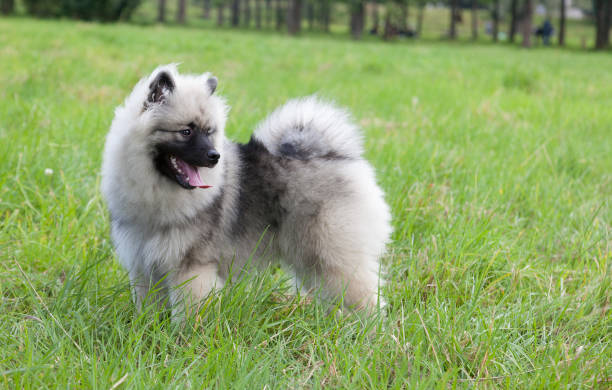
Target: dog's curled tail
{"type": "Point", "coordinates": [309, 128]}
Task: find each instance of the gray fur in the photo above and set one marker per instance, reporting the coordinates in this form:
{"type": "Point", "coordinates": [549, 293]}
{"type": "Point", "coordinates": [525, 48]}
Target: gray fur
{"type": "Point", "coordinates": [212, 84]}
{"type": "Point", "coordinates": [300, 185]}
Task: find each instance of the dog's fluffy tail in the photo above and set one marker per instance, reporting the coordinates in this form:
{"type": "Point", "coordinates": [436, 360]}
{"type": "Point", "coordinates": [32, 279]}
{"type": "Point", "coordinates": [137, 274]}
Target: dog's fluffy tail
{"type": "Point", "coordinates": [308, 128]}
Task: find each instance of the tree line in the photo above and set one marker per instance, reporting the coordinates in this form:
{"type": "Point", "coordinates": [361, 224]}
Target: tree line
{"type": "Point", "coordinates": [102, 10]}
{"type": "Point", "coordinates": [386, 18]}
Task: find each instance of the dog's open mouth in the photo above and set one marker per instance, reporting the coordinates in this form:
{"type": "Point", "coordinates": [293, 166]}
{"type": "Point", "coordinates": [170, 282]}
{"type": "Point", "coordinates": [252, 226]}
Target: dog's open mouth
{"type": "Point", "coordinates": [186, 174]}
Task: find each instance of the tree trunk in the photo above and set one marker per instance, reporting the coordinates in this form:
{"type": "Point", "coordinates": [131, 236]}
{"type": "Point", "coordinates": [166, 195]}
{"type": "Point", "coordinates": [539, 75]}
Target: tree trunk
{"type": "Point", "coordinates": [603, 16]}
{"type": "Point", "coordinates": [404, 14]}
{"type": "Point", "coordinates": [387, 32]}
{"type": "Point", "coordinates": [7, 6]}
{"type": "Point", "coordinates": [268, 13]}
{"type": "Point", "coordinates": [453, 27]}
{"type": "Point", "coordinates": [220, 10]}
{"type": "Point", "coordinates": [357, 19]}
{"type": "Point", "coordinates": [527, 20]}
{"type": "Point", "coordinates": [181, 11]}
{"type": "Point", "coordinates": [475, 20]}
{"type": "Point", "coordinates": [562, 24]}
{"type": "Point", "coordinates": [326, 14]}
{"type": "Point", "coordinates": [235, 13]}
{"type": "Point", "coordinates": [258, 14]}
{"type": "Point", "coordinates": [310, 14]}
{"type": "Point", "coordinates": [206, 9]}
{"type": "Point", "coordinates": [495, 20]}
{"type": "Point", "coordinates": [420, 18]}
{"type": "Point", "coordinates": [247, 12]}
{"type": "Point", "coordinates": [279, 14]}
{"type": "Point", "coordinates": [607, 23]}
{"type": "Point", "coordinates": [375, 17]}
{"type": "Point", "coordinates": [294, 17]}
{"type": "Point", "coordinates": [513, 20]}
{"type": "Point", "coordinates": [161, 11]}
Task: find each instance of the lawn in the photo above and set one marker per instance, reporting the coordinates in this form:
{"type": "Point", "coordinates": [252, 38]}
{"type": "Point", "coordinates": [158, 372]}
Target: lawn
{"type": "Point", "coordinates": [496, 161]}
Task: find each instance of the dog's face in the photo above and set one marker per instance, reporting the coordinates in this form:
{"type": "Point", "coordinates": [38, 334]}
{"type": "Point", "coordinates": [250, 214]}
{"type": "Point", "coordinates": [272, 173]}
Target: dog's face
{"type": "Point", "coordinates": [186, 134]}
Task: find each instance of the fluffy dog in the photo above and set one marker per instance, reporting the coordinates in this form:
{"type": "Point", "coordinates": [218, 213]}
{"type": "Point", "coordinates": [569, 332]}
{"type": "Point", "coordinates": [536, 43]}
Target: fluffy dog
{"type": "Point", "coordinates": [187, 205]}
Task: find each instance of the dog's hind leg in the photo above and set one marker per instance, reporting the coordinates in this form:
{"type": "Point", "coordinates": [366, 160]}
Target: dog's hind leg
{"type": "Point", "coordinates": [337, 250]}
{"type": "Point", "coordinates": [358, 288]}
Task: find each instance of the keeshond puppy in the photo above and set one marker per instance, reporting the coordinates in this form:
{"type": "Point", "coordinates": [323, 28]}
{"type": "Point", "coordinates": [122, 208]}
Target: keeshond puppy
{"type": "Point", "coordinates": [189, 208]}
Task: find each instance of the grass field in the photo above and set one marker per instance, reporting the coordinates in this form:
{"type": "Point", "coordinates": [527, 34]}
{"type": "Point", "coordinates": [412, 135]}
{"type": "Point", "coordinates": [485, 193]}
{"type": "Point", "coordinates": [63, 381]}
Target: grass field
{"type": "Point", "coordinates": [497, 163]}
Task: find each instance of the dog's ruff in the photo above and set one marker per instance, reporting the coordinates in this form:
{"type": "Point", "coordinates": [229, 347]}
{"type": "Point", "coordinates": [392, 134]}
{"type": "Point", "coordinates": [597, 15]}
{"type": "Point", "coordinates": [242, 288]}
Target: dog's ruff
{"type": "Point", "coordinates": [300, 188]}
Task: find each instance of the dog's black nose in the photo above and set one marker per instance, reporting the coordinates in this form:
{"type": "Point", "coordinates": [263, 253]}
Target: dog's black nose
{"type": "Point", "coordinates": [213, 155]}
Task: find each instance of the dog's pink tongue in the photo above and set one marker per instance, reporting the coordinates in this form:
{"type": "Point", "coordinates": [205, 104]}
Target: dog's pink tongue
{"type": "Point", "coordinates": [192, 173]}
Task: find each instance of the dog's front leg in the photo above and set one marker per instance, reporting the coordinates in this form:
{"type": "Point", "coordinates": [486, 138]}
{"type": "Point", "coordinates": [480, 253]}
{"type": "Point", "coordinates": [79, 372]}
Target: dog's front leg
{"type": "Point", "coordinates": [190, 285]}
{"type": "Point", "coordinates": [148, 286]}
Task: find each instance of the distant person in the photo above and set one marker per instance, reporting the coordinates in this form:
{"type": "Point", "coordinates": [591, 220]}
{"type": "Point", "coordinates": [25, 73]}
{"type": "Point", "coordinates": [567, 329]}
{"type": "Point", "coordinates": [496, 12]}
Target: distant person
{"type": "Point", "coordinates": [488, 27]}
{"type": "Point", "coordinates": [545, 31]}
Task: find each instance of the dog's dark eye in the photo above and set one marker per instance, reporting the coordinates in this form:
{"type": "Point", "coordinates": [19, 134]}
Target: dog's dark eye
{"type": "Point", "coordinates": [186, 132]}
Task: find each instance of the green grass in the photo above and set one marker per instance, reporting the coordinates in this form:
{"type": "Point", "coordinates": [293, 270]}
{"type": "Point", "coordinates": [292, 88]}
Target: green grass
{"type": "Point", "coordinates": [496, 162]}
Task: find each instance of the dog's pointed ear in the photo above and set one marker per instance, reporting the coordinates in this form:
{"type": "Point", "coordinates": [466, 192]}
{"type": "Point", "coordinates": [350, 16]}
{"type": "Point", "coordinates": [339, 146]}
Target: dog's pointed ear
{"type": "Point", "coordinates": [161, 86]}
{"type": "Point", "coordinates": [212, 83]}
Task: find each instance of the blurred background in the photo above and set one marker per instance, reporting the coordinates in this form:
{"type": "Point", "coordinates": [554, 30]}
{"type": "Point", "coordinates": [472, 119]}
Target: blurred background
{"type": "Point", "coordinates": [580, 24]}
{"type": "Point", "coordinates": [495, 160]}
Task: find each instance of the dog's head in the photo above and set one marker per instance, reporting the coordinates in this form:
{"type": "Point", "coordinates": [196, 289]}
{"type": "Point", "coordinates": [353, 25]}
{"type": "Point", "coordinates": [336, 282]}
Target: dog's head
{"type": "Point", "coordinates": [166, 138]}
{"type": "Point", "coordinates": [186, 122]}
